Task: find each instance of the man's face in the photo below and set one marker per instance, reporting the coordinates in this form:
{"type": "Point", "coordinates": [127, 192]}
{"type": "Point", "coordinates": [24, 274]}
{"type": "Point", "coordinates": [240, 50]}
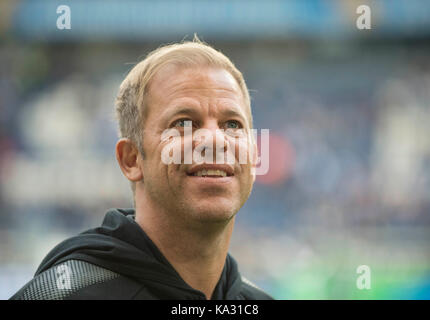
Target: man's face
{"type": "Point", "coordinates": [211, 99]}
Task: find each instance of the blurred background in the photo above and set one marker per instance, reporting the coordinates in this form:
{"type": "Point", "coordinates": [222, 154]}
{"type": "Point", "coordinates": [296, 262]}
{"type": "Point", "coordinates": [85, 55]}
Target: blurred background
{"type": "Point", "coordinates": [348, 112]}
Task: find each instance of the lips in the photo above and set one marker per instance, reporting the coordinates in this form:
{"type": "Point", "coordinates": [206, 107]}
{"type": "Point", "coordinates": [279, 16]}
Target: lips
{"type": "Point", "coordinates": [211, 170]}
{"type": "Point", "coordinates": [210, 173]}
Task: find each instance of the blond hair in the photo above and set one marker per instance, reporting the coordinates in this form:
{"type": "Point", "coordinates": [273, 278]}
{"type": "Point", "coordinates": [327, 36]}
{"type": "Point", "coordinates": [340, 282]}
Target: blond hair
{"type": "Point", "coordinates": [130, 104]}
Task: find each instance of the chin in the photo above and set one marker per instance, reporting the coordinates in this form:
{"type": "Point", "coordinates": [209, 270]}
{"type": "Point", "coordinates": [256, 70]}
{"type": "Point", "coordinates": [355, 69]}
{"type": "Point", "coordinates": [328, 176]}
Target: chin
{"type": "Point", "coordinates": [216, 211]}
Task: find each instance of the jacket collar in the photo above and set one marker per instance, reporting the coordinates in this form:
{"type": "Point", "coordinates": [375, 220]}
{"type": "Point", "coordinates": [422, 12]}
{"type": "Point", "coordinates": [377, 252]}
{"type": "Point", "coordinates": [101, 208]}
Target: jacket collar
{"type": "Point", "coordinates": [121, 245]}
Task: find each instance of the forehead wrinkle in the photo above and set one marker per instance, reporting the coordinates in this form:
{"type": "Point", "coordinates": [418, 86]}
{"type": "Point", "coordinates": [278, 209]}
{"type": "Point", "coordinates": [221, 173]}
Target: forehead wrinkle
{"type": "Point", "coordinates": [225, 108]}
{"type": "Point", "coordinates": [180, 98]}
{"type": "Point", "coordinates": [188, 107]}
{"type": "Point", "coordinates": [200, 79]}
{"type": "Point", "coordinates": [185, 89]}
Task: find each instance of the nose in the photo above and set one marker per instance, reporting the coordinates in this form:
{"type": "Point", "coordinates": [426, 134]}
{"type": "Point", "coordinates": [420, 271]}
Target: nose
{"type": "Point", "coordinates": [211, 142]}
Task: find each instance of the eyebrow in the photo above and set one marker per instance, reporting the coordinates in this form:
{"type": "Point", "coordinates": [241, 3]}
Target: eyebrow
{"type": "Point", "coordinates": [234, 113]}
{"type": "Point", "coordinates": [182, 110]}
{"type": "Point", "coordinates": [186, 110]}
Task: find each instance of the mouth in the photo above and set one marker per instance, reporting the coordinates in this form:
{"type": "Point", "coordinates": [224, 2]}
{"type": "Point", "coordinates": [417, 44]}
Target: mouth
{"type": "Point", "coordinates": [211, 175]}
{"type": "Point", "coordinates": [211, 171]}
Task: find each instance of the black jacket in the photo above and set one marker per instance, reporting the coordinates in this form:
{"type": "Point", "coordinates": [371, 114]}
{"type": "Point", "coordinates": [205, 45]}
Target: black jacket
{"type": "Point", "coordinates": [118, 261]}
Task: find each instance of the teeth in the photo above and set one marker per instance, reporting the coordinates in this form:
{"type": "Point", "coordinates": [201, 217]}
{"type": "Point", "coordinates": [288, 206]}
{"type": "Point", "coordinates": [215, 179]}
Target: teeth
{"type": "Point", "coordinates": [210, 172]}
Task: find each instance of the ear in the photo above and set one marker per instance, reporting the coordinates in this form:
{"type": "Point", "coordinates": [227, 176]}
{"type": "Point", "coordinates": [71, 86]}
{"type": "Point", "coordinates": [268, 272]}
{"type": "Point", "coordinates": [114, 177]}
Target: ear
{"type": "Point", "coordinates": [128, 157]}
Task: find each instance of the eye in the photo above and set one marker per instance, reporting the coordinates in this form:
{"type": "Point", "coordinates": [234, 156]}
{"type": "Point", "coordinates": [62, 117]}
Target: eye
{"type": "Point", "coordinates": [233, 124]}
{"type": "Point", "coordinates": [182, 123]}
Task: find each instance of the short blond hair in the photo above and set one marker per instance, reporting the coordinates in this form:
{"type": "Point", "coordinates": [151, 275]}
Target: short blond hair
{"type": "Point", "coordinates": [130, 104]}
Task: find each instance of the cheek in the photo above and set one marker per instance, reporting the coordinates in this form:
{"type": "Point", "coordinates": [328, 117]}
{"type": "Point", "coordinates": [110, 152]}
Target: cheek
{"type": "Point", "coordinates": [244, 151]}
{"type": "Point", "coordinates": [169, 150]}
{"type": "Point", "coordinates": [177, 150]}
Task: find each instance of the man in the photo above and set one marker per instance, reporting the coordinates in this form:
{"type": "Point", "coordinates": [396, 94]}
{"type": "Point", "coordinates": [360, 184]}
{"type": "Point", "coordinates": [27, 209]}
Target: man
{"type": "Point", "coordinates": [174, 244]}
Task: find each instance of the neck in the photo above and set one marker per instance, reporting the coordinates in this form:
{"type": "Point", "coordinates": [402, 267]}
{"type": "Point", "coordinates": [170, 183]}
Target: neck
{"type": "Point", "coordinates": [197, 250]}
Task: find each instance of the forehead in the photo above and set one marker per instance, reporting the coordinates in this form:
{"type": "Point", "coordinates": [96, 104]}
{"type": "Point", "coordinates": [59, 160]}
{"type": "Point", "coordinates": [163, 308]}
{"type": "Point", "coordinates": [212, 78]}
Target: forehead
{"type": "Point", "coordinates": [173, 82]}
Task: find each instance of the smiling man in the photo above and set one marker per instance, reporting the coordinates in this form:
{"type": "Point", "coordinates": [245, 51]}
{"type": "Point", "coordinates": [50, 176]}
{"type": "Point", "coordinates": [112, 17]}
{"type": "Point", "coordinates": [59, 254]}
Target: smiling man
{"type": "Point", "coordinates": [174, 243]}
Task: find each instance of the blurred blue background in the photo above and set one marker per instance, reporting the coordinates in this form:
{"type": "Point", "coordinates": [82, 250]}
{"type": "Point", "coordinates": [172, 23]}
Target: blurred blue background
{"type": "Point", "coordinates": [348, 111]}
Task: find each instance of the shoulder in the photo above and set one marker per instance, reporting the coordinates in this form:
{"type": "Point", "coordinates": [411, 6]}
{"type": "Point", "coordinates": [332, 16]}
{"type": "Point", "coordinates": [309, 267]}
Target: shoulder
{"type": "Point", "coordinates": [76, 279]}
{"type": "Point", "coordinates": [250, 291]}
